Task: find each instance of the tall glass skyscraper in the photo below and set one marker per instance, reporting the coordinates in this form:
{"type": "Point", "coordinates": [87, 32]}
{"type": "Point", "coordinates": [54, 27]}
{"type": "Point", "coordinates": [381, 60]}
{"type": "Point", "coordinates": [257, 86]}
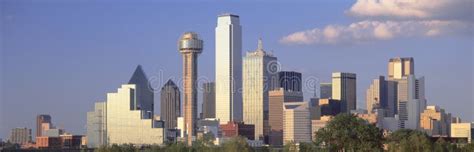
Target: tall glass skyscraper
{"type": "Point", "coordinates": [170, 104]}
{"type": "Point", "coordinates": [228, 68]}
{"type": "Point", "coordinates": [258, 74]}
{"type": "Point", "coordinates": [209, 100]}
{"type": "Point", "coordinates": [344, 90]}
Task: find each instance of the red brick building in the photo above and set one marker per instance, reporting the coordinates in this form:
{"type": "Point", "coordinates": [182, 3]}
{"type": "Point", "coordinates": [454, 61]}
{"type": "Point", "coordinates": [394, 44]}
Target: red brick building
{"type": "Point", "coordinates": [232, 129]}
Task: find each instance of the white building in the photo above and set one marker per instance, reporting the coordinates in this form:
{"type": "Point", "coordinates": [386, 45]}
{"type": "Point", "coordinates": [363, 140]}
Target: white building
{"type": "Point", "coordinates": [257, 81]}
{"type": "Point", "coordinates": [228, 68]}
{"type": "Point", "coordinates": [462, 130]}
{"type": "Point", "coordinates": [124, 119]}
{"type": "Point", "coordinates": [296, 122]}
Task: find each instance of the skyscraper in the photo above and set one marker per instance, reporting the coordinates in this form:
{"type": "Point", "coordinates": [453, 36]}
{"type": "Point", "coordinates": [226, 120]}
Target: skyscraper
{"type": "Point", "coordinates": [145, 95]}
{"type": "Point", "coordinates": [209, 100]}
{"type": "Point", "coordinates": [290, 81]}
{"type": "Point", "coordinates": [228, 68]}
{"type": "Point", "coordinates": [376, 95]}
{"type": "Point", "coordinates": [20, 136]}
{"type": "Point", "coordinates": [277, 98]}
{"type": "Point", "coordinates": [296, 123]}
{"type": "Point", "coordinates": [256, 84]}
{"type": "Point", "coordinates": [325, 90]}
{"type": "Point", "coordinates": [190, 46]}
{"type": "Point", "coordinates": [435, 121]}
{"type": "Point", "coordinates": [124, 113]}
{"type": "Point", "coordinates": [344, 89]}
{"type": "Point", "coordinates": [400, 67]}
{"type": "Point", "coordinates": [40, 119]}
{"type": "Point", "coordinates": [170, 104]}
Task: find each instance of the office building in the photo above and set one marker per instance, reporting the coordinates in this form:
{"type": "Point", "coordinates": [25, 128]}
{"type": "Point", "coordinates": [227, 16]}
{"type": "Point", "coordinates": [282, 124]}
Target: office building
{"type": "Point", "coordinates": [170, 104]}
{"type": "Point", "coordinates": [296, 123]}
{"type": "Point", "coordinates": [435, 121]}
{"type": "Point", "coordinates": [258, 73]}
{"type": "Point", "coordinates": [209, 100]}
{"type": "Point", "coordinates": [289, 81]}
{"type": "Point", "coordinates": [344, 89]}
{"type": "Point", "coordinates": [329, 107]}
{"type": "Point", "coordinates": [325, 90]}
{"type": "Point", "coordinates": [410, 101]}
{"type": "Point", "coordinates": [314, 108]}
{"type": "Point", "coordinates": [20, 136]}
{"type": "Point", "coordinates": [144, 95]}
{"type": "Point", "coordinates": [232, 129]}
{"type": "Point", "coordinates": [181, 127]}
{"type": "Point", "coordinates": [462, 131]}
{"type": "Point", "coordinates": [96, 128]}
{"type": "Point", "coordinates": [40, 120]}
{"type": "Point", "coordinates": [379, 96]}
{"type": "Point", "coordinates": [276, 100]}
{"type": "Point", "coordinates": [228, 68]}
{"type": "Point", "coordinates": [400, 67]}
{"type": "Point", "coordinates": [190, 46]}
{"type": "Point", "coordinates": [125, 122]}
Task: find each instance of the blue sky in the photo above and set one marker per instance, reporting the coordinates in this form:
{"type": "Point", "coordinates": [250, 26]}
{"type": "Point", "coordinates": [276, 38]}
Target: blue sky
{"type": "Point", "coordinates": [60, 57]}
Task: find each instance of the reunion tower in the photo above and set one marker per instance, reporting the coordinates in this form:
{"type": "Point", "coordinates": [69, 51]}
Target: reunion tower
{"type": "Point", "coordinates": [190, 46]}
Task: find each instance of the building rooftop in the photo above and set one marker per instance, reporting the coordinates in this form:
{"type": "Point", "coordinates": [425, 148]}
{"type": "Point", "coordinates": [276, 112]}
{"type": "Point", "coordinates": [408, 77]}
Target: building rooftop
{"type": "Point", "coordinates": [227, 14]}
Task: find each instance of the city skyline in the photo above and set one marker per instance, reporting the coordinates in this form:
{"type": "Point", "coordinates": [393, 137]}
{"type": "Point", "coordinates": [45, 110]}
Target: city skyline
{"type": "Point", "coordinates": [157, 54]}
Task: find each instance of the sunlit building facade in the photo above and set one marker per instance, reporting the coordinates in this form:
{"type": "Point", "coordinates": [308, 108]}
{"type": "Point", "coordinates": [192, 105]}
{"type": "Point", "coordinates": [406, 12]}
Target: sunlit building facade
{"type": "Point", "coordinates": [296, 123]}
{"type": "Point", "coordinates": [344, 89]}
{"type": "Point", "coordinates": [228, 68]}
{"type": "Point", "coordinates": [256, 85]}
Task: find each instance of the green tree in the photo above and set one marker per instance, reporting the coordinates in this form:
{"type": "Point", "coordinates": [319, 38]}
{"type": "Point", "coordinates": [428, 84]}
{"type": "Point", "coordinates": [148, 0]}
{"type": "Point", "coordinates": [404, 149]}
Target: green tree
{"type": "Point", "coordinates": [409, 140]}
{"type": "Point", "coordinates": [290, 147]}
{"type": "Point", "coordinates": [468, 148]}
{"type": "Point", "coordinates": [236, 144]}
{"type": "Point", "coordinates": [346, 132]}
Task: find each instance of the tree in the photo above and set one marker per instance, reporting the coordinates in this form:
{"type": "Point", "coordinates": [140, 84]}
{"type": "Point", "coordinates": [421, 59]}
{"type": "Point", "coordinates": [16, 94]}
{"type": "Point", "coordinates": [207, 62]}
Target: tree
{"type": "Point", "coordinates": [290, 147]}
{"type": "Point", "coordinates": [236, 144]}
{"type": "Point", "coordinates": [346, 132]}
{"type": "Point", "coordinates": [409, 140]}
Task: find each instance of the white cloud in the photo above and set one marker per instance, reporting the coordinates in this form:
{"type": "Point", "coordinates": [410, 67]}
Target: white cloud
{"type": "Point", "coordinates": [365, 31]}
{"type": "Point", "coordinates": [418, 9]}
{"type": "Point", "coordinates": [390, 19]}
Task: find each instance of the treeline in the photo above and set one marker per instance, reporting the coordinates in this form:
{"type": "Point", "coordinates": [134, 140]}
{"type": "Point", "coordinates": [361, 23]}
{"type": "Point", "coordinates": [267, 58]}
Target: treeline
{"type": "Point", "coordinates": [344, 132]}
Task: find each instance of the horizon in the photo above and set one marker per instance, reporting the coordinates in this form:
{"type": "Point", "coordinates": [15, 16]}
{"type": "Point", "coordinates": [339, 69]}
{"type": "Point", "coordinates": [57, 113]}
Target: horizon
{"type": "Point", "coordinates": [59, 58]}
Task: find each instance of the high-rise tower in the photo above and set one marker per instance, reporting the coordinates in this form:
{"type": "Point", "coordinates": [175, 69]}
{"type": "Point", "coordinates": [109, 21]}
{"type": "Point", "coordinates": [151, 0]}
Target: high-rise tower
{"type": "Point", "coordinates": [228, 68]}
{"type": "Point", "coordinates": [190, 46]}
{"type": "Point", "coordinates": [260, 68]}
{"type": "Point", "coordinates": [40, 119]}
{"type": "Point", "coordinates": [170, 104]}
{"type": "Point", "coordinates": [344, 89]}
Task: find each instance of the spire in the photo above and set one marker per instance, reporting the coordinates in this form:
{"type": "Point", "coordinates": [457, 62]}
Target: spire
{"type": "Point", "coordinates": [260, 44]}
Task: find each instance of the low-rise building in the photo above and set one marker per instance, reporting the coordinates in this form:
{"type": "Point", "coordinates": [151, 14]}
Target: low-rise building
{"type": "Point", "coordinates": [233, 128]}
{"type": "Point", "coordinates": [463, 131]}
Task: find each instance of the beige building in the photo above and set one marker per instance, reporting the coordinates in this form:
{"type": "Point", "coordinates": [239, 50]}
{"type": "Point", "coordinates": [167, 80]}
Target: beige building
{"type": "Point", "coordinates": [400, 67]}
{"type": "Point", "coordinates": [344, 89]}
{"type": "Point", "coordinates": [125, 126]}
{"type": "Point", "coordinates": [125, 117]}
{"type": "Point", "coordinates": [296, 123]}
{"type": "Point", "coordinates": [276, 100]}
{"type": "Point", "coordinates": [257, 77]}
{"type": "Point", "coordinates": [435, 121]}
{"type": "Point", "coordinates": [462, 130]}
